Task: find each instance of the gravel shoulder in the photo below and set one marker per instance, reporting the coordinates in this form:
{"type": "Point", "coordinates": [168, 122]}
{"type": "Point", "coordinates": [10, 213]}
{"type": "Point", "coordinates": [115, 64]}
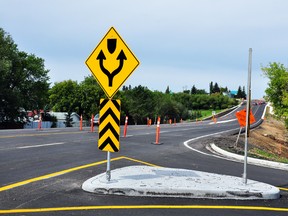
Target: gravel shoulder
{"type": "Point", "coordinates": [268, 141]}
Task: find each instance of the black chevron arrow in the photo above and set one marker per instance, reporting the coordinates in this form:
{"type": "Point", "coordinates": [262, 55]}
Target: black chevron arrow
{"type": "Point", "coordinates": [105, 101]}
{"type": "Point", "coordinates": [111, 128]}
{"type": "Point", "coordinates": [106, 142]}
{"type": "Point", "coordinates": [112, 114]}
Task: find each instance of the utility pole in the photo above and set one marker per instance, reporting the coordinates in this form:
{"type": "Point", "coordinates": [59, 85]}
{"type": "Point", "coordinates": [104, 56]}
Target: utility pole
{"type": "Point", "coordinates": [247, 114]}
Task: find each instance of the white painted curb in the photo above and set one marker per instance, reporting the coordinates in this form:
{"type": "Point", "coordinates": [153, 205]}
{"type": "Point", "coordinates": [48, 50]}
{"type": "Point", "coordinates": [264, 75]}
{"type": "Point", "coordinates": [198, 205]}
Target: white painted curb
{"type": "Point", "coordinates": [253, 161]}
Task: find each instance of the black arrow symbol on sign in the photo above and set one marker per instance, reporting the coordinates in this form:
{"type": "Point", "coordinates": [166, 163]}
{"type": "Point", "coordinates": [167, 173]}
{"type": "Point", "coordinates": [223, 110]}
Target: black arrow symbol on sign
{"type": "Point", "coordinates": [110, 127]}
{"type": "Point", "coordinates": [106, 142]}
{"type": "Point", "coordinates": [121, 57]}
{"type": "Point", "coordinates": [112, 114]}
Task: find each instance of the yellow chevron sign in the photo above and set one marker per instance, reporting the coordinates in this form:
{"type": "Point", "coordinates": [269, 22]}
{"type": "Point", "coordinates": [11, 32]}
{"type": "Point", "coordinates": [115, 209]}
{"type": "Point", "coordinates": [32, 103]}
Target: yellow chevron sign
{"type": "Point", "coordinates": [109, 127]}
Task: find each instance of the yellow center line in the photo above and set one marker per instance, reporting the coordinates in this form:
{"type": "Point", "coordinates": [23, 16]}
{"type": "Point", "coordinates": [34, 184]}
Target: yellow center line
{"type": "Point", "coordinates": [281, 188]}
{"type": "Point", "coordinates": [139, 161]}
{"type": "Point", "coordinates": [51, 175]}
{"type": "Point", "coordinates": [85, 208]}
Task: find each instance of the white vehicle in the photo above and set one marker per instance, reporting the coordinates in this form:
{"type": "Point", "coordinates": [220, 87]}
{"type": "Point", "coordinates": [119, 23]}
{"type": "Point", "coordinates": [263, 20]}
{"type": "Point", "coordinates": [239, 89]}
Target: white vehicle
{"type": "Point", "coordinates": [96, 120]}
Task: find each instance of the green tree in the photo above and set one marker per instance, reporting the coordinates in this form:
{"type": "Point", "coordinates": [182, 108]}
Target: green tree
{"type": "Point", "coordinates": [65, 97]}
{"type": "Point", "coordinates": [167, 90]}
{"type": "Point", "coordinates": [68, 120]}
{"type": "Point", "coordinates": [140, 104]}
{"type": "Point", "coordinates": [243, 92]}
{"type": "Point", "coordinates": [201, 91]}
{"type": "Point", "coordinates": [239, 93]}
{"type": "Point", "coordinates": [222, 90]}
{"type": "Point", "coordinates": [23, 81]}
{"type": "Point", "coordinates": [216, 88]}
{"type": "Point", "coordinates": [169, 109]}
{"type": "Point", "coordinates": [194, 90]}
{"type": "Point", "coordinates": [277, 91]}
{"type": "Point", "coordinates": [211, 88]}
{"type": "Point", "coordinates": [89, 97]}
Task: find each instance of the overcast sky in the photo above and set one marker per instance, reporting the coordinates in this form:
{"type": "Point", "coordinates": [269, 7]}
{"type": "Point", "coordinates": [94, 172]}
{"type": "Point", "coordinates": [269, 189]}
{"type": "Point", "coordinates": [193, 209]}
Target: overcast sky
{"type": "Point", "coordinates": [179, 43]}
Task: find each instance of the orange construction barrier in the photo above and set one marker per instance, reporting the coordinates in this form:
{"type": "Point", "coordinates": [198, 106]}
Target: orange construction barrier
{"type": "Point", "coordinates": [40, 123]}
{"type": "Point", "coordinates": [158, 131]}
{"type": "Point", "coordinates": [214, 119]}
{"type": "Point", "coordinates": [148, 121]}
{"type": "Point", "coordinates": [125, 127]}
{"type": "Point", "coordinates": [81, 123]}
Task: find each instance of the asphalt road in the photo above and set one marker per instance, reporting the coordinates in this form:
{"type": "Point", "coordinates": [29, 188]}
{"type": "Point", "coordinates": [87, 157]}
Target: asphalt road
{"type": "Point", "coordinates": [41, 172]}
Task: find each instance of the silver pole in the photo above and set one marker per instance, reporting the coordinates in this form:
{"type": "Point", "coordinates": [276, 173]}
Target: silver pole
{"type": "Point", "coordinates": [238, 137]}
{"type": "Point", "coordinates": [108, 171]}
{"type": "Point", "coordinates": [247, 114]}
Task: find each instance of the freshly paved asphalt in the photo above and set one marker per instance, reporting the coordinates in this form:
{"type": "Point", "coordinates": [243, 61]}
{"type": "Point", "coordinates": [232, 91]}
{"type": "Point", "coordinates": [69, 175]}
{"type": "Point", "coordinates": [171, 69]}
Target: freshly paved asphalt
{"type": "Point", "coordinates": [28, 156]}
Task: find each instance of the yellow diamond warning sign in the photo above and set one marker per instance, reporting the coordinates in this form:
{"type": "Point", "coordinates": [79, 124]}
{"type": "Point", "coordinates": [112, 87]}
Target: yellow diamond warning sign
{"type": "Point", "coordinates": [111, 62]}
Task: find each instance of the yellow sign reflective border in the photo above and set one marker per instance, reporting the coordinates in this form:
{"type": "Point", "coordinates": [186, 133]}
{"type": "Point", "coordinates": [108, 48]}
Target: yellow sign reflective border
{"type": "Point", "coordinates": [109, 127]}
{"type": "Point", "coordinates": [111, 62]}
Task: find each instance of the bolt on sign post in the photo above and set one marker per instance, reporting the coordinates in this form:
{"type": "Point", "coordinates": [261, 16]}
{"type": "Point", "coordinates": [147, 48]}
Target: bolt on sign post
{"type": "Point", "coordinates": [111, 63]}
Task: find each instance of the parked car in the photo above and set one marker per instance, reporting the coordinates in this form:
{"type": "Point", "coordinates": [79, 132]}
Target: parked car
{"type": "Point", "coordinates": [96, 120]}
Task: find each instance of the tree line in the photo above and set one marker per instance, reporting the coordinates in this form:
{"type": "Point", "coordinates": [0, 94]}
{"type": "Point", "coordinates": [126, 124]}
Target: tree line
{"type": "Point", "coordinates": [138, 103]}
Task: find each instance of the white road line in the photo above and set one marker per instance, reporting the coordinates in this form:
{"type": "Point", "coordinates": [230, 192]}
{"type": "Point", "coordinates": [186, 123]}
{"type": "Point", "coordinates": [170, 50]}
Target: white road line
{"type": "Point", "coordinates": [186, 143]}
{"type": "Point", "coordinates": [43, 145]}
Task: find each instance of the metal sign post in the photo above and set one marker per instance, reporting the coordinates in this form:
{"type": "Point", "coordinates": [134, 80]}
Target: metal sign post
{"type": "Point", "coordinates": [236, 143]}
{"type": "Point", "coordinates": [108, 171]}
{"type": "Point", "coordinates": [247, 114]}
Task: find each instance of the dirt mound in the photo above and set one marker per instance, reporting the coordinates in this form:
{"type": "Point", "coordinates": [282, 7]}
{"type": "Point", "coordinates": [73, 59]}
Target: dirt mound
{"type": "Point", "coordinates": [268, 141]}
{"type": "Point", "coordinates": [271, 136]}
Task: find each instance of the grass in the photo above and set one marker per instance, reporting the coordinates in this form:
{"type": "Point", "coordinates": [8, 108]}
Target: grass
{"type": "Point", "coordinates": [266, 155]}
{"type": "Point", "coordinates": [207, 113]}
